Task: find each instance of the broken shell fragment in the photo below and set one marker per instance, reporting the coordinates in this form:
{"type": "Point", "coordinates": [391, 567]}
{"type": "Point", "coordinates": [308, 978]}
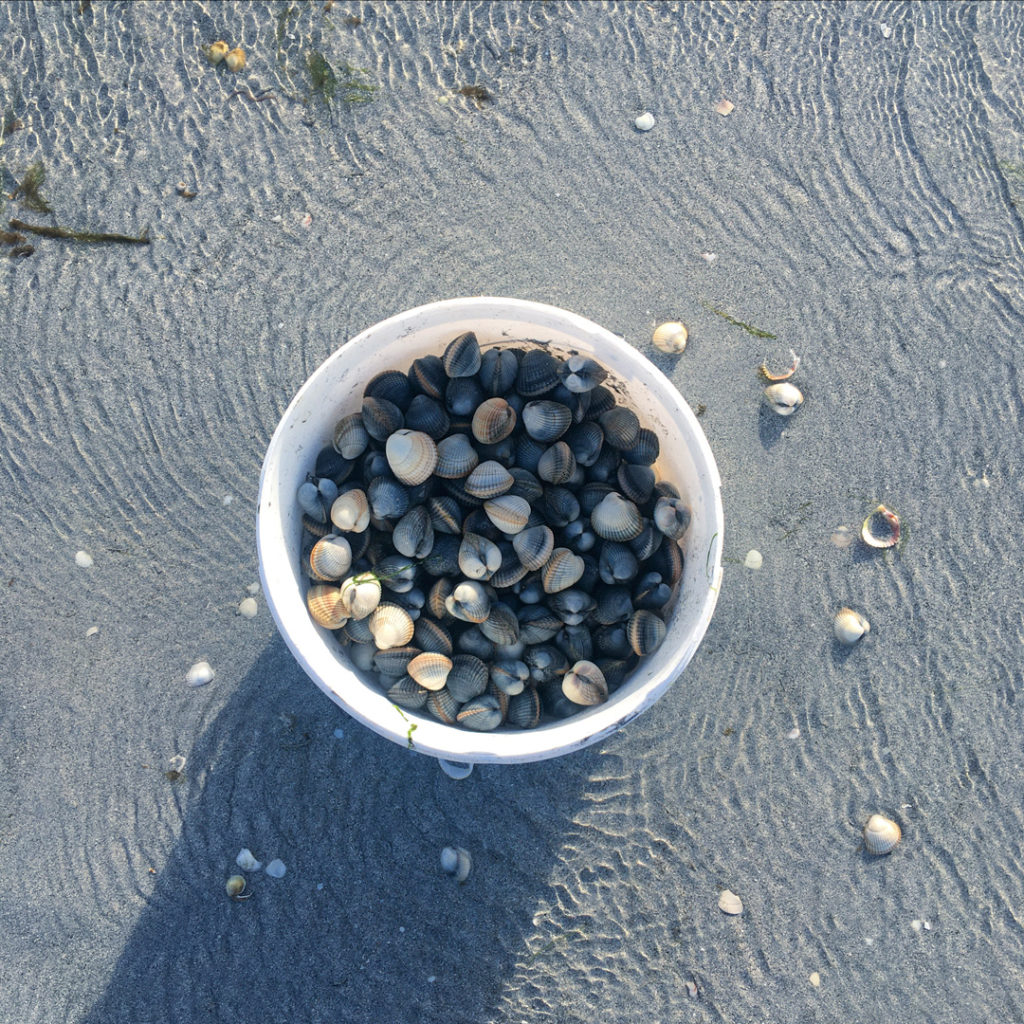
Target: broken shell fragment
{"type": "Point", "coordinates": [783, 399]}
{"type": "Point", "coordinates": [724, 107]}
{"type": "Point", "coordinates": [881, 835]}
{"type": "Point", "coordinates": [785, 374]}
{"type": "Point", "coordinates": [246, 861]}
{"type": "Point", "coordinates": [671, 337]}
{"type": "Point", "coordinates": [881, 529]}
{"type": "Point", "coordinates": [456, 861]}
{"type": "Point", "coordinates": [276, 868]}
{"type": "Point", "coordinates": [849, 626]}
{"type": "Point", "coordinates": [730, 903]}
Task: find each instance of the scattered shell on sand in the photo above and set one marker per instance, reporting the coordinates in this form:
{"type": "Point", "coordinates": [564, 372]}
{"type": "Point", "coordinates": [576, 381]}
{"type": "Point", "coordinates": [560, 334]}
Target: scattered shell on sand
{"type": "Point", "coordinates": [849, 626]}
{"type": "Point", "coordinates": [691, 989]}
{"type": "Point", "coordinates": [235, 887]}
{"type": "Point", "coordinates": [730, 903]}
{"type": "Point", "coordinates": [771, 375]}
{"type": "Point", "coordinates": [645, 122]}
{"type": "Point", "coordinates": [754, 559]}
{"type": "Point", "coordinates": [92, 631]}
{"type": "Point", "coordinates": [843, 536]}
{"type": "Point", "coordinates": [881, 529]}
{"type": "Point", "coordinates": [276, 868]}
{"type": "Point", "coordinates": [217, 51]}
{"type": "Point", "coordinates": [886, 30]}
{"type": "Point", "coordinates": [253, 589]}
{"type": "Point", "coordinates": [234, 60]}
{"type": "Point", "coordinates": [456, 861]}
{"type": "Point", "coordinates": [83, 559]}
{"type": "Point", "coordinates": [794, 733]}
{"type": "Point", "coordinates": [671, 337]}
{"type": "Point", "coordinates": [783, 399]}
{"type": "Point", "coordinates": [881, 835]}
{"type": "Point", "coordinates": [199, 674]}
{"type": "Point", "coordinates": [724, 107]}
{"type": "Point", "coordinates": [815, 979]}
{"type": "Point", "coordinates": [246, 861]}
{"type": "Point", "coordinates": [248, 608]}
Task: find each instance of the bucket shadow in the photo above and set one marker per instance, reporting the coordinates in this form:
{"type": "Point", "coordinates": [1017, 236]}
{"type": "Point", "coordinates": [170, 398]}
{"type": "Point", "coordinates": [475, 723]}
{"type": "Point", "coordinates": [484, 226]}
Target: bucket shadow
{"type": "Point", "coordinates": [364, 925]}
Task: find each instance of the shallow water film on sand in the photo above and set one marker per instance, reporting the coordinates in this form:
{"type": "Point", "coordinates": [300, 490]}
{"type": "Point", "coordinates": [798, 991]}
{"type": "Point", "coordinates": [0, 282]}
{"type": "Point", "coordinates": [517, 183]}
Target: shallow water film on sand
{"type": "Point", "coordinates": [837, 184]}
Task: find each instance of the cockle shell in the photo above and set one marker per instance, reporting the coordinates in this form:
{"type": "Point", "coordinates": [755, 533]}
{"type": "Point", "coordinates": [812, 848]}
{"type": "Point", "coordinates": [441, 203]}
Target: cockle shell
{"type": "Point", "coordinates": [546, 421]}
{"type": "Point", "coordinates": [350, 436]}
{"type": "Point", "coordinates": [501, 626]}
{"type": "Point", "coordinates": [391, 626]}
{"type": "Point", "coordinates": [407, 693]}
{"type": "Point", "coordinates": [467, 678]}
{"type": "Point", "coordinates": [493, 421]}
{"type": "Point", "coordinates": [413, 535]}
{"type": "Point", "coordinates": [388, 498]}
{"type": "Point", "coordinates": [616, 518]}
{"type": "Point", "coordinates": [498, 370]}
{"type": "Point", "coordinates": [730, 903]}
{"type": "Point", "coordinates": [430, 670]}
{"type": "Point", "coordinates": [881, 529]}
{"type": "Point", "coordinates": [881, 835]}
{"type": "Point", "coordinates": [351, 511]}
{"type": "Point", "coordinates": [235, 886]}
{"type": "Point", "coordinates": [672, 517]}
{"type": "Point", "coordinates": [442, 705]}
{"type": "Point", "coordinates": [581, 374]}
{"type": "Point", "coordinates": [849, 626]}
{"type": "Point", "coordinates": [469, 602]}
{"type": "Point", "coordinates": [412, 456]}
{"type": "Point", "coordinates": [330, 558]}
{"type": "Point", "coordinates": [783, 398]}
{"type": "Point", "coordinates": [646, 631]}
{"type": "Point", "coordinates": [234, 60]}
{"type": "Point", "coordinates": [534, 546]}
{"type": "Point", "coordinates": [325, 605]}
{"type": "Point", "coordinates": [427, 373]}
{"type": "Point", "coordinates": [481, 713]}
{"type": "Point", "coordinates": [217, 51]}
{"type": "Point", "coordinates": [561, 571]}
{"type": "Point", "coordinates": [585, 684]}
{"type": "Point", "coordinates": [488, 480]}
{"type": "Point", "coordinates": [557, 464]}
{"type": "Point", "coordinates": [524, 709]}
{"type": "Point", "coordinates": [621, 427]}
{"type": "Point", "coordinates": [479, 558]}
{"type": "Point", "coordinates": [392, 385]}
{"type": "Point", "coordinates": [508, 512]}
{"type": "Point", "coordinates": [462, 356]}
{"type": "Point", "coordinates": [381, 418]}
{"type": "Point", "coordinates": [360, 596]}
{"type": "Point", "coordinates": [670, 337]}
{"type": "Point", "coordinates": [456, 861]}
{"type": "Point", "coordinates": [538, 373]}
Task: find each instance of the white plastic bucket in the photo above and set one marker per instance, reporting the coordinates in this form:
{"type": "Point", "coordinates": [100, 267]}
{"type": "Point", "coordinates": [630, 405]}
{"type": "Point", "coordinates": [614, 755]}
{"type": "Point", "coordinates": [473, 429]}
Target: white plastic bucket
{"type": "Point", "coordinates": [336, 389]}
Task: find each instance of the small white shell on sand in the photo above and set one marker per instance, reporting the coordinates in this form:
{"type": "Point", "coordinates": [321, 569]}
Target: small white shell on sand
{"type": "Point", "coordinates": [724, 107]}
{"type": "Point", "coordinates": [754, 559]}
{"type": "Point", "coordinates": [83, 559]}
{"type": "Point", "coordinates": [881, 835]}
{"type": "Point", "coordinates": [248, 608]}
{"type": "Point", "coordinates": [794, 733]}
{"type": "Point", "coordinates": [253, 589]}
{"type": "Point", "coordinates": [730, 903]}
{"type": "Point", "coordinates": [709, 257]}
{"type": "Point", "coordinates": [815, 978]}
{"type": "Point", "coordinates": [843, 536]}
{"type": "Point", "coordinates": [645, 122]}
{"type": "Point", "coordinates": [783, 399]}
{"type": "Point", "coordinates": [92, 630]}
{"type": "Point", "coordinates": [456, 861]}
{"type": "Point", "coordinates": [199, 674]}
{"type": "Point", "coordinates": [276, 868]}
{"type": "Point", "coordinates": [886, 30]}
{"type": "Point", "coordinates": [849, 626]}
{"type": "Point", "coordinates": [671, 337]}
{"type": "Point", "coordinates": [246, 861]}
{"type": "Point", "coordinates": [691, 989]}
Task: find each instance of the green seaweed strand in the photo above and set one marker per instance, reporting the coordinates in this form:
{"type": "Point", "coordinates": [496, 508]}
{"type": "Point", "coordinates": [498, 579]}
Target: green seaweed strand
{"type": "Point", "coordinates": [755, 331]}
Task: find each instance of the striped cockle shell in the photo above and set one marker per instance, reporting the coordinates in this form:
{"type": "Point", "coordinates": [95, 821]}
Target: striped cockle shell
{"type": "Point", "coordinates": [456, 457]}
{"type": "Point", "coordinates": [537, 623]}
{"type": "Point", "coordinates": [534, 546]}
{"type": "Point", "coordinates": [427, 374]}
{"type": "Point", "coordinates": [439, 592]}
{"type": "Point", "coordinates": [479, 558]}
{"type": "Point", "coordinates": [645, 630]}
{"type": "Point", "coordinates": [670, 337]}
{"type": "Point", "coordinates": [350, 436]}
{"type": "Point", "coordinates": [445, 514]}
{"type": "Point", "coordinates": [481, 713]}
{"type": "Point", "coordinates": [585, 684]}
{"type": "Point", "coordinates": [784, 398]}
{"type": "Point", "coordinates": [538, 373]}
{"type": "Point", "coordinates": [546, 421]}
{"type": "Point", "coordinates": [330, 557]}
{"type": "Point", "coordinates": [581, 374]}
{"type": "Point", "coordinates": [311, 501]}
{"type": "Point", "coordinates": [524, 709]}
{"type": "Point", "coordinates": [616, 518]}
{"type": "Point", "coordinates": [430, 669]}
{"type": "Point", "coordinates": [498, 370]}
{"type": "Point", "coordinates": [381, 418]}
{"type": "Point", "coordinates": [350, 511]}
{"type": "Point", "coordinates": [360, 596]}
{"type": "Point", "coordinates": [395, 660]}
{"type": "Point", "coordinates": [617, 563]}
{"type": "Point", "coordinates": [427, 415]}
{"type": "Point", "coordinates": [467, 678]}
{"type": "Point", "coordinates": [645, 450]}
{"type": "Point", "coordinates": [413, 535]}
{"type": "Point", "coordinates": [407, 693]}
{"type": "Point", "coordinates": [392, 385]}
{"type": "Point", "coordinates": [571, 606]}
{"type": "Point", "coordinates": [442, 705]}
{"type": "Point", "coordinates": [391, 626]}
{"type": "Point", "coordinates": [510, 675]}
{"type": "Point", "coordinates": [358, 631]}
{"type": "Point", "coordinates": [493, 421]}
{"type": "Point", "coordinates": [508, 513]}
{"type": "Point", "coordinates": [430, 635]}
{"type": "Point", "coordinates": [389, 499]}
{"type": "Point", "coordinates": [635, 482]}
{"type": "Point", "coordinates": [488, 480]}
{"type": "Point", "coordinates": [462, 356]}
{"type": "Point", "coordinates": [881, 835]}
{"type": "Point", "coordinates": [672, 517]}
{"type": "Point", "coordinates": [501, 626]}
{"type": "Point", "coordinates": [621, 427]}
{"type": "Point", "coordinates": [559, 507]}
{"type": "Point", "coordinates": [324, 603]}
{"type": "Point", "coordinates": [557, 464]}
{"type": "Point", "coordinates": [469, 602]}
{"type": "Point", "coordinates": [412, 456]}
{"type": "Point", "coordinates": [561, 571]}
{"type": "Point", "coordinates": [849, 626]}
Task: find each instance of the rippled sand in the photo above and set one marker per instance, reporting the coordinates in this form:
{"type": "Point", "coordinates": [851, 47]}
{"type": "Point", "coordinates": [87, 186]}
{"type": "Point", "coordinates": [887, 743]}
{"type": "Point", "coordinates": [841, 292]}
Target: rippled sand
{"type": "Point", "coordinates": [863, 202]}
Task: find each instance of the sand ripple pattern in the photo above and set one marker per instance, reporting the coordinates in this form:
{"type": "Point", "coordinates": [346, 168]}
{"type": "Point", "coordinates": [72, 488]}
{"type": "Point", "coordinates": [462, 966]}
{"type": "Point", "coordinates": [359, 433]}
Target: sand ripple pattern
{"type": "Point", "coordinates": [863, 202]}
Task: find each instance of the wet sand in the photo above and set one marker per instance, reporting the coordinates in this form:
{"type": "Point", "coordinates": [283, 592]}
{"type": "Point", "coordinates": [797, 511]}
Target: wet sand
{"type": "Point", "coordinates": [862, 203]}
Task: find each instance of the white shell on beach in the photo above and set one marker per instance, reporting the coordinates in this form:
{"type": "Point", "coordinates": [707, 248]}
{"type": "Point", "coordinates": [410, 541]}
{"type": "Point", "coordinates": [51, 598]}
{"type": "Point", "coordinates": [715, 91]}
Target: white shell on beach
{"type": "Point", "coordinates": [199, 674]}
{"type": "Point", "coordinates": [456, 861]}
{"type": "Point", "coordinates": [730, 903]}
{"type": "Point", "coordinates": [670, 337]}
{"type": "Point", "coordinates": [881, 529]}
{"type": "Point", "coordinates": [92, 631]}
{"type": "Point", "coordinates": [724, 107]}
{"type": "Point", "coordinates": [754, 559]}
{"type": "Point", "coordinates": [276, 868]}
{"type": "Point", "coordinates": [881, 835]}
{"type": "Point", "coordinates": [246, 861]}
{"type": "Point", "coordinates": [783, 399]}
{"type": "Point", "coordinates": [645, 122]}
{"type": "Point", "coordinates": [248, 608]}
{"type": "Point", "coordinates": [83, 559]}
{"type": "Point", "coordinates": [849, 626]}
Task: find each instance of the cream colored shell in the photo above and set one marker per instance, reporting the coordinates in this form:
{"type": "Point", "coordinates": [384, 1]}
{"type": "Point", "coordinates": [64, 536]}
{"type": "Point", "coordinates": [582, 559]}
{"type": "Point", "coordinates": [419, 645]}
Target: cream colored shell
{"type": "Point", "coordinates": [849, 626]}
{"type": "Point", "coordinates": [730, 903]}
{"type": "Point", "coordinates": [671, 337]}
{"type": "Point", "coordinates": [881, 835]}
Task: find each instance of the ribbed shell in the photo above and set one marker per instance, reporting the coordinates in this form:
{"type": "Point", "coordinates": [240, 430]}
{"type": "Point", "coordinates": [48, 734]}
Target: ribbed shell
{"type": "Point", "coordinates": [585, 684]}
{"type": "Point", "coordinates": [395, 660]}
{"type": "Point", "coordinates": [445, 515]}
{"type": "Point", "coordinates": [645, 450]}
{"type": "Point", "coordinates": [324, 603]}
{"type": "Point", "coordinates": [616, 518]}
{"type": "Point", "coordinates": [479, 558]}
{"type": "Point", "coordinates": [462, 356]}
{"type": "Point", "coordinates": [524, 709]}
{"type": "Point", "coordinates": [498, 370]}
{"type": "Point", "coordinates": [442, 705]}
{"type": "Point", "coordinates": [546, 421]}
{"type": "Point", "coordinates": [538, 373]}
{"type": "Point", "coordinates": [350, 436]}
{"type": "Point", "coordinates": [635, 482]}
{"type": "Point", "coordinates": [493, 421]}
{"type": "Point", "coordinates": [581, 374]}
{"type": "Point", "coordinates": [330, 558]}
{"type": "Point", "coordinates": [645, 631]}
{"type": "Point", "coordinates": [482, 713]}
{"type": "Point", "coordinates": [501, 625]}
{"type": "Point", "coordinates": [427, 415]}
{"type": "Point", "coordinates": [456, 457]}
{"type": "Point", "coordinates": [467, 678]}
{"type": "Point", "coordinates": [510, 675]}
{"type": "Point", "coordinates": [407, 693]}
{"type": "Point", "coordinates": [427, 373]}
{"type": "Point", "coordinates": [881, 835]}
{"type": "Point", "coordinates": [430, 669]}
{"type": "Point", "coordinates": [412, 456]}
{"type": "Point", "coordinates": [389, 498]}
{"type": "Point", "coordinates": [413, 535]}
{"type": "Point", "coordinates": [351, 511]}
{"type": "Point", "coordinates": [469, 602]}
{"type": "Point", "coordinates": [381, 418]}
{"type": "Point", "coordinates": [488, 480]}
{"type": "Point", "coordinates": [537, 624]}
{"type": "Point", "coordinates": [391, 626]}
{"type": "Point", "coordinates": [621, 427]}
{"type": "Point", "coordinates": [557, 464]}
{"type": "Point", "coordinates": [672, 517]}
{"type": "Point", "coordinates": [562, 570]}
{"type": "Point", "coordinates": [534, 546]}
{"type": "Point", "coordinates": [508, 513]}
{"type": "Point", "coordinates": [360, 596]}
{"type": "Point", "coordinates": [430, 635]}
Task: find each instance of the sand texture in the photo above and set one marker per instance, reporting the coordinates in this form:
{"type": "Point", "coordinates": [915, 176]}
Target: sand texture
{"type": "Point", "coordinates": [862, 202]}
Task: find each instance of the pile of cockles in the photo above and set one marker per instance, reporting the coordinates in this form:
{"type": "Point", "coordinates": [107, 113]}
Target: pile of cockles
{"type": "Point", "coordinates": [487, 538]}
